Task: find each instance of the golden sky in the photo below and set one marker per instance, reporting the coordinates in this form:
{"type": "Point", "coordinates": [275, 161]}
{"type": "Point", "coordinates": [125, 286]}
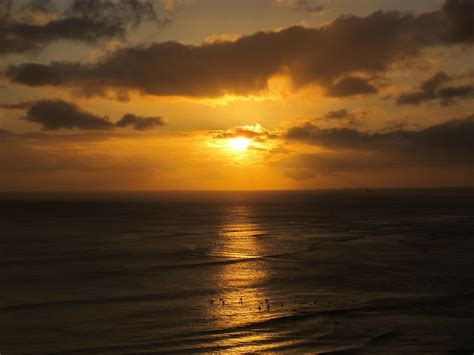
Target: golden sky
{"type": "Point", "coordinates": [244, 94]}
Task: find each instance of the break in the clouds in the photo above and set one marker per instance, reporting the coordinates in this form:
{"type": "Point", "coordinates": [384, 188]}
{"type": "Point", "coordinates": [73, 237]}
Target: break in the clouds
{"type": "Point", "coordinates": [340, 56]}
{"type": "Point", "coordinates": [59, 114]}
{"type": "Point", "coordinates": [437, 88]}
{"type": "Point", "coordinates": [38, 23]}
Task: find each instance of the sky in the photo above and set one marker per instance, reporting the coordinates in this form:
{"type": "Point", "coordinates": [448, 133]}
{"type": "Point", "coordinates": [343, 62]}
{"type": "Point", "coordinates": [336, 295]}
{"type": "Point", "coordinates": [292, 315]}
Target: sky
{"type": "Point", "coordinates": [238, 94]}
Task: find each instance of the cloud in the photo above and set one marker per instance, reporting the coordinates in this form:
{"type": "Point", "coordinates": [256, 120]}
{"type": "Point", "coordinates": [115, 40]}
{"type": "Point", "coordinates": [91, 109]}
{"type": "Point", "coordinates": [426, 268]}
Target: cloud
{"type": "Point", "coordinates": [328, 137]}
{"type": "Point", "coordinates": [336, 56]}
{"type": "Point", "coordinates": [38, 23]}
{"type": "Point", "coordinates": [338, 114]}
{"type": "Point", "coordinates": [35, 12]}
{"type": "Point", "coordinates": [350, 86]}
{"type": "Point", "coordinates": [434, 88]}
{"type": "Point", "coordinates": [4, 133]}
{"type": "Point", "coordinates": [310, 6]}
{"type": "Point", "coordinates": [446, 143]}
{"type": "Point", "coordinates": [140, 123]}
{"type": "Point", "coordinates": [16, 106]}
{"type": "Point", "coordinates": [255, 132]}
{"type": "Point", "coordinates": [59, 114]}
{"type": "Point", "coordinates": [343, 117]}
{"type": "Point", "coordinates": [445, 147]}
{"type": "Point", "coordinates": [5, 8]}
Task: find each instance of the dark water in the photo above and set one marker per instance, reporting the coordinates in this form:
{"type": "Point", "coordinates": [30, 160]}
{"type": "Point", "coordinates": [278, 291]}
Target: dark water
{"type": "Point", "coordinates": [132, 273]}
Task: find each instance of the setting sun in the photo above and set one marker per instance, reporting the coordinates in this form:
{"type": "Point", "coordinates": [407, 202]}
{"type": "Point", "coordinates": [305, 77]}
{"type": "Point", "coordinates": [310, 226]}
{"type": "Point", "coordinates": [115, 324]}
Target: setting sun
{"type": "Point", "coordinates": [254, 176]}
{"type": "Point", "coordinates": [239, 143]}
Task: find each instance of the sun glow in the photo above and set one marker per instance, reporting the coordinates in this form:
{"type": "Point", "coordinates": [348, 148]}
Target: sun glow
{"type": "Point", "coordinates": [239, 143]}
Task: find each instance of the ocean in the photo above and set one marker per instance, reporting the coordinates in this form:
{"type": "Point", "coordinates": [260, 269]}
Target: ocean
{"type": "Point", "coordinates": [343, 271]}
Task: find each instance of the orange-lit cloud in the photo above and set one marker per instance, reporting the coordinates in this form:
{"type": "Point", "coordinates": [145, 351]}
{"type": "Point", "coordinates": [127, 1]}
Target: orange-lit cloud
{"type": "Point", "coordinates": [340, 56]}
{"type": "Point", "coordinates": [219, 99]}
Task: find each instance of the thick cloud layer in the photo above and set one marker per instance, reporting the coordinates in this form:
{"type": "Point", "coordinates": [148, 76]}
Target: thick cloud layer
{"type": "Point", "coordinates": [441, 149]}
{"type": "Point", "coordinates": [448, 143]}
{"type": "Point", "coordinates": [435, 88]}
{"type": "Point", "coordinates": [327, 56]}
{"type": "Point", "coordinates": [38, 23]}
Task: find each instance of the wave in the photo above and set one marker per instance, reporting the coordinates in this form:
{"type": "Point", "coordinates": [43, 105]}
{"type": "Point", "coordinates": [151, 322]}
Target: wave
{"type": "Point", "coordinates": [279, 333]}
{"type": "Point", "coordinates": [107, 300]}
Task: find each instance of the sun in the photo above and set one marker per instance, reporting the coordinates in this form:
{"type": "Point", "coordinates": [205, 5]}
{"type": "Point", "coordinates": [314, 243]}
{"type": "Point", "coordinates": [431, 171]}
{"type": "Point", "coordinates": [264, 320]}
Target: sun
{"type": "Point", "coordinates": [239, 143]}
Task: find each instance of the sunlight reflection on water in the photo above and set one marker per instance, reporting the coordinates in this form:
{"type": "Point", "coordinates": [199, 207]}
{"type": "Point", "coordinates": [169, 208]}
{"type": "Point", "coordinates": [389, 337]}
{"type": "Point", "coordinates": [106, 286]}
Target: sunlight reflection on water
{"type": "Point", "coordinates": [243, 299]}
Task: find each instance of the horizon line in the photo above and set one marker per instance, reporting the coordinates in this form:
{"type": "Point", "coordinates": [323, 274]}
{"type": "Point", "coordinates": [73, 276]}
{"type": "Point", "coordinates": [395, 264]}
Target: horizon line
{"type": "Point", "coordinates": [244, 190]}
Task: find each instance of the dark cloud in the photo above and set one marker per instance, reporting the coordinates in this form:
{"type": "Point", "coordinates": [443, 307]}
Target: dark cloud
{"type": "Point", "coordinates": [435, 88]}
{"type": "Point", "coordinates": [328, 137]}
{"type": "Point", "coordinates": [16, 106]}
{"type": "Point", "coordinates": [310, 6]}
{"type": "Point", "coordinates": [59, 114]}
{"type": "Point", "coordinates": [5, 9]}
{"type": "Point", "coordinates": [337, 114]}
{"type": "Point", "coordinates": [4, 133]}
{"type": "Point", "coordinates": [447, 143]}
{"type": "Point", "coordinates": [351, 86]}
{"type": "Point", "coordinates": [460, 15]}
{"type": "Point", "coordinates": [35, 12]}
{"type": "Point", "coordinates": [36, 74]}
{"type": "Point", "coordinates": [140, 123]}
{"type": "Point", "coordinates": [122, 13]}
{"type": "Point", "coordinates": [38, 23]}
{"type": "Point", "coordinates": [344, 117]}
{"type": "Point", "coordinates": [329, 56]}
{"type": "Point", "coordinates": [447, 147]}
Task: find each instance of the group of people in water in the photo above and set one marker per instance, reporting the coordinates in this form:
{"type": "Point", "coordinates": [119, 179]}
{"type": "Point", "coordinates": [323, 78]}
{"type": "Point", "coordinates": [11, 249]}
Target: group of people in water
{"type": "Point", "coordinates": [261, 304]}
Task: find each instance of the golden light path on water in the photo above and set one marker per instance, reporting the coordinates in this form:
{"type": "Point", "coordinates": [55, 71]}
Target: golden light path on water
{"type": "Point", "coordinates": [244, 299]}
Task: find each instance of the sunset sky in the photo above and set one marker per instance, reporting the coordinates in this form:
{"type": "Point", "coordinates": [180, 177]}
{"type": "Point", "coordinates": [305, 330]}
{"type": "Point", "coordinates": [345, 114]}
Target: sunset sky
{"type": "Point", "coordinates": [237, 94]}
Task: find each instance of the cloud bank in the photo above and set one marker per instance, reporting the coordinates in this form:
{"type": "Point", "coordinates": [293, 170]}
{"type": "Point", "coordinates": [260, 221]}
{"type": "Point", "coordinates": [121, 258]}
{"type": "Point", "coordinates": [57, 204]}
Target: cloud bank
{"type": "Point", "coordinates": [448, 144]}
{"type": "Point", "coordinates": [341, 57]}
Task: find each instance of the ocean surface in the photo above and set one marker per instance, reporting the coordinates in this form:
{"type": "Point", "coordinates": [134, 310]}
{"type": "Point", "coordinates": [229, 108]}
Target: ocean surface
{"type": "Point", "coordinates": [349, 271]}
